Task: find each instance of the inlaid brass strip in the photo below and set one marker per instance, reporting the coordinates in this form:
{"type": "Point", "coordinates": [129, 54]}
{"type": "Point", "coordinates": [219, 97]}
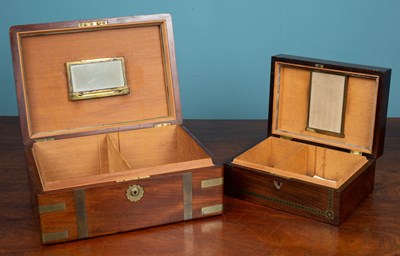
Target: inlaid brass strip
{"type": "Point", "coordinates": [48, 237]}
{"type": "Point", "coordinates": [328, 213]}
{"type": "Point", "coordinates": [187, 196]}
{"type": "Point", "coordinates": [212, 209]}
{"type": "Point", "coordinates": [212, 182]}
{"type": "Point", "coordinates": [81, 219]}
{"type": "Point", "coordinates": [51, 208]}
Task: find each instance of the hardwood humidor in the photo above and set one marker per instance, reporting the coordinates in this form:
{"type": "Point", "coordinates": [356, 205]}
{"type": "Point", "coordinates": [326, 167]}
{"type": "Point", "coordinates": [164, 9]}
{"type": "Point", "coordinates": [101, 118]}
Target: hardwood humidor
{"type": "Point", "coordinates": [326, 129]}
{"type": "Point", "coordinates": [101, 122]}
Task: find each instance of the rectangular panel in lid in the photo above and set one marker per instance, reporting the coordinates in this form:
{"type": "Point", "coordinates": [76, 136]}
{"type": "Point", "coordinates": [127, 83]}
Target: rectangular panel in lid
{"type": "Point", "coordinates": [144, 43]}
{"type": "Point", "coordinates": [97, 78]}
{"type": "Point", "coordinates": [329, 103]}
{"type": "Point", "coordinates": [326, 103]}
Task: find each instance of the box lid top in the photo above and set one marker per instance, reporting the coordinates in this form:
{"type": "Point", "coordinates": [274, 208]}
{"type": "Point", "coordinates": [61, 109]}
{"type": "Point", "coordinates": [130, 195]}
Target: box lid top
{"type": "Point", "coordinates": [66, 71]}
{"type": "Point", "coordinates": [329, 103]}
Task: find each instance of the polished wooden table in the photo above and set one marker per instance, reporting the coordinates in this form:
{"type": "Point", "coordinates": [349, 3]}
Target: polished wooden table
{"type": "Point", "coordinates": [244, 228]}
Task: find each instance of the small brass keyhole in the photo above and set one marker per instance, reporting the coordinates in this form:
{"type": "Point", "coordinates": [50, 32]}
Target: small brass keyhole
{"type": "Point", "coordinates": [134, 193]}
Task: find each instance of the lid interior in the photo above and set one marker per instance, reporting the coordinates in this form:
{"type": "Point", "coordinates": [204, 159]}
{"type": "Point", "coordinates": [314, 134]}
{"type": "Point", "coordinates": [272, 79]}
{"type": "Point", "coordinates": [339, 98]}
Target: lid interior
{"type": "Point", "coordinates": [325, 106]}
{"type": "Point", "coordinates": [149, 67]}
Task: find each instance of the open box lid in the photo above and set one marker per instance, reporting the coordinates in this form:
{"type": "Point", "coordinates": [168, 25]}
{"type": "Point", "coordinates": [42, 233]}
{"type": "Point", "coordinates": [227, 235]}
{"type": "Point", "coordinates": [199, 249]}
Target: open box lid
{"type": "Point", "coordinates": [66, 71]}
{"type": "Point", "coordinates": [334, 104]}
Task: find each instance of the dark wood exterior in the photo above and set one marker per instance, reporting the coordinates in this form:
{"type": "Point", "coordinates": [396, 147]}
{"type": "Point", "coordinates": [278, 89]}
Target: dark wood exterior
{"type": "Point", "coordinates": [92, 210]}
{"type": "Point", "coordinates": [107, 211]}
{"type": "Point", "coordinates": [330, 205]}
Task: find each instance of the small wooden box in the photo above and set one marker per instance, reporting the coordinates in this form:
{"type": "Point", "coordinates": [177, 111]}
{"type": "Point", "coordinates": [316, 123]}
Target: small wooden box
{"type": "Point", "coordinates": [326, 128]}
{"type": "Point", "coordinates": [98, 164]}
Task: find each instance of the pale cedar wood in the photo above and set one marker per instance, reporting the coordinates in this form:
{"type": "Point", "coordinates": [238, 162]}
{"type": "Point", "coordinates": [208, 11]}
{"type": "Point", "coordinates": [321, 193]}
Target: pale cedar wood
{"type": "Point", "coordinates": [244, 227]}
{"type": "Point", "coordinates": [103, 146]}
{"type": "Point", "coordinates": [135, 43]}
{"type": "Point", "coordinates": [296, 160]}
{"type": "Point", "coordinates": [382, 96]}
{"type": "Point", "coordinates": [297, 166]}
{"type": "Point", "coordinates": [294, 88]}
{"type": "Point", "coordinates": [132, 154]}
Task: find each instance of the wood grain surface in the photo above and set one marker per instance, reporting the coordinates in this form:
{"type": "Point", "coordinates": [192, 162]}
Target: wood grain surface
{"type": "Point", "coordinates": [243, 229]}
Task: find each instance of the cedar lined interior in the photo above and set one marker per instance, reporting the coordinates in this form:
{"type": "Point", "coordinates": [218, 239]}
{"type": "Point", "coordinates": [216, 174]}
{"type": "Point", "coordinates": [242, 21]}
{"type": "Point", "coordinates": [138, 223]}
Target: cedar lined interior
{"type": "Point", "coordinates": [309, 163]}
{"type": "Point", "coordinates": [291, 100]}
{"type": "Point", "coordinates": [147, 64]}
{"type": "Point", "coordinates": [117, 156]}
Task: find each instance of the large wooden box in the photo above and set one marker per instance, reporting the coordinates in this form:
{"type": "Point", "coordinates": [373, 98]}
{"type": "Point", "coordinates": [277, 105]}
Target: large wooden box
{"type": "Point", "coordinates": [326, 128]}
{"type": "Point", "coordinates": [100, 164]}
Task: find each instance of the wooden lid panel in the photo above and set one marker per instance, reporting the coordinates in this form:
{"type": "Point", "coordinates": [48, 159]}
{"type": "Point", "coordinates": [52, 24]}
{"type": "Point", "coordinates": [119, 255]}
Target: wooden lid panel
{"type": "Point", "coordinates": [150, 71]}
{"type": "Point", "coordinates": [290, 101]}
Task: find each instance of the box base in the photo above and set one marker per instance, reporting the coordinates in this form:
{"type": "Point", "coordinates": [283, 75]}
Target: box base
{"type": "Point", "coordinates": [313, 201]}
{"type": "Point", "coordinates": [79, 213]}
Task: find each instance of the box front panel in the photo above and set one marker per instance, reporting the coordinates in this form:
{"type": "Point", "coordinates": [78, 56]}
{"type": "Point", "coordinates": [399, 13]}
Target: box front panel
{"type": "Point", "coordinates": [100, 210]}
{"type": "Point", "coordinates": [109, 210]}
{"type": "Point", "coordinates": [309, 200]}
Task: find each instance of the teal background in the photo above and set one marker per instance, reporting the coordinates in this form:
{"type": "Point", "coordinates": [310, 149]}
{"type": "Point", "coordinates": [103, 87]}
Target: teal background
{"type": "Point", "coordinates": [224, 46]}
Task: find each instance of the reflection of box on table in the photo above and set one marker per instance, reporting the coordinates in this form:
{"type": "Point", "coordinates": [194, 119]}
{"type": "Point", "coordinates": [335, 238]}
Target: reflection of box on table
{"type": "Point", "coordinates": [327, 125]}
{"type": "Point", "coordinates": [98, 164]}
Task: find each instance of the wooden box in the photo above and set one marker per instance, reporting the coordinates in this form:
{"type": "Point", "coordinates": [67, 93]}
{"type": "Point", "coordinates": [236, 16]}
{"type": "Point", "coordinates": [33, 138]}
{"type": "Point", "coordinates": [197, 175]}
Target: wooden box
{"type": "Point", "coordinates": [100, 164]}
{"type": "Point", "coordinates": [326, 128]}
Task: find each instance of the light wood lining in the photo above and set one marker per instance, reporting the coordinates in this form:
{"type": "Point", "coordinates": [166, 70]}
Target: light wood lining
{"type": "Point", "coordinates": [49, 110]}
{"type": "Point", "coordinates": [291, 159]}
{"type": "Point", "coordinates": [128, 155]}
{"type": "Point", "coordinates": [290, 109]}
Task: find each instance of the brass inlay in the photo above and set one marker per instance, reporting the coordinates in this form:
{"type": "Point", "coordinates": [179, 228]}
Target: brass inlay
{"type": "Point", "coordinates": [134, 193]}
{"type": "Point", "coordinates": [328, 213]}
{"type": "Point", "coordinates": [90, 91]}
{"type": "Point", "coordinates": [49, 237]}
{"type": "Point", "coordinates": [51, 208]}
{"type": "Point", "coordinates": [187, 196]}
{"type": "Point", "coordinates": [212, 209]}
{"type": "Point", "coordinates": [81, 219]}
{"type": "Point", "coordinates": [93, 23]}
{"type": "Point", "coordinates": [212, 182]}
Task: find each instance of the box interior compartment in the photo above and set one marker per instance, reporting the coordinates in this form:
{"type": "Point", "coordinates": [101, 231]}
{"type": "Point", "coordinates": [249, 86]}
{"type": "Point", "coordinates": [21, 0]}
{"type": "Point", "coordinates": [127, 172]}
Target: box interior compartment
{"type": "Point", "coordinates": [304, 162]}
{"type": "Point", "coordinates": [117, 156]}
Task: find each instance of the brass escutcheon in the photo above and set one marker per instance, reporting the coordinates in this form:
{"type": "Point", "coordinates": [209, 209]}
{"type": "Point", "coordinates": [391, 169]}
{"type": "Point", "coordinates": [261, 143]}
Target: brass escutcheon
{"type": "Point", "coordinates": [278, 184]}
{"type": "Point", "coordinates": [134, 193]}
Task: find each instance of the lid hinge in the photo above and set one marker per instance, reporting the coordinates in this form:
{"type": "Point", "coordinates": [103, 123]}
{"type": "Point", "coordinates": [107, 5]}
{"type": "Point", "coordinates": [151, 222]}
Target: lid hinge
{"type": "Point", "coordinates": [354, 152]}
{"type": "Point", "coordinates": [45, 139]}
{"type": "Point", "coordinates": [161, 125]}
{"type": "Point", "coordinates": [286, 137]}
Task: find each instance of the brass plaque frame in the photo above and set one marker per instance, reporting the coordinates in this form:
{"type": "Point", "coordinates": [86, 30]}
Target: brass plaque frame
{"type": "Point", "coordinates": [326, 105]}
{"type": "Point", "coordinates": [85, 83]}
